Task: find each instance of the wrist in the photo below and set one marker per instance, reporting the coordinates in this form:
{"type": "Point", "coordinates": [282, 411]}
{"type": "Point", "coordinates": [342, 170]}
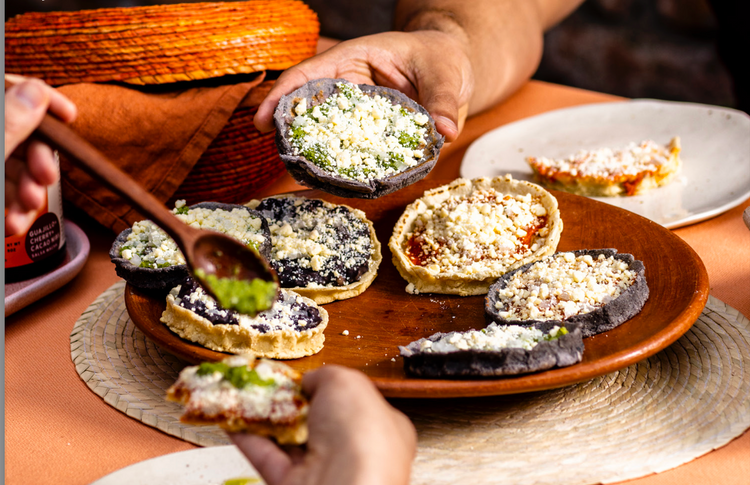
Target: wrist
{"type": "Point", "coordinates": [437, 20]}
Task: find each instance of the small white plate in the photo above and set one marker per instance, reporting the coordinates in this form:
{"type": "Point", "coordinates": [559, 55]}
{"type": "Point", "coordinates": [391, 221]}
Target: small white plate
{"type": "Point", "coordinates": [23, 293]}
{"type": "Point", "coordinates": [715, 176]}
{"type": "Point", "coordinates": [203, 466]}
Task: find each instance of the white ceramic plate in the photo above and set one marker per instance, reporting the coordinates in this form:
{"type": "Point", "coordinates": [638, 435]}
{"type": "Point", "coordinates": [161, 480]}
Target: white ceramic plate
{"type": "Point", "coordinates": [214, 465]}
{"type": "Point", "coordinates": [715, 176]}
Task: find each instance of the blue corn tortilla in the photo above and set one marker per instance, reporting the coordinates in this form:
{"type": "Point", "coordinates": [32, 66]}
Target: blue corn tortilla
{"type": "Point", "coordinates": [605, 318]}
{"type": "Point", "coordinates": [164, 279]}
{"type": "Point", "coordinates": [563, 351]}
{"type": "Point", "coordinates": [307, 173]}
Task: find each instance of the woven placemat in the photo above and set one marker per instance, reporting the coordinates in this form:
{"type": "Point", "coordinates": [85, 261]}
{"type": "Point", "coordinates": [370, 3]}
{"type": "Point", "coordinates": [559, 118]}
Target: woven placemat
{"type": "Point", "coordinates": [655, 415]}
{"type": "Point", "coordinates": [116, 360]}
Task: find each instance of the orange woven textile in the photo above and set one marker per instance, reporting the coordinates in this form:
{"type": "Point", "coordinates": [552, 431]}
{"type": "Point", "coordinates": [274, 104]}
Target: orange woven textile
{"type": "Point", "coordinates": [160, 44]}
{"type": "Point", "coordinates": [237, 165]}
{"type": "Point", "coordinates": [157, 138]}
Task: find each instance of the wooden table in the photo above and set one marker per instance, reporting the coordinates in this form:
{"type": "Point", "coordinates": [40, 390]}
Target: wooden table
{"type": "Point", "coordinates": [58, 431]}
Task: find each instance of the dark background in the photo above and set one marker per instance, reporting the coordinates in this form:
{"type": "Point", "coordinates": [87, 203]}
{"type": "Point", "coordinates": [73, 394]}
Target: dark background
{"type": "Point", "coordinates": [683, 50]}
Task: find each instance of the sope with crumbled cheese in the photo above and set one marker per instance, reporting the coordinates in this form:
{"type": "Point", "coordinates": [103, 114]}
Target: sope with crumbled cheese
{"type": "Point", "coordinates": [263, 392]}
{"type": "Point", "coordinates": [148, 246]}
{"type": "Point", "coordinates": [485, 228]}
{"type": "Point", "coordinates": [563, 285]}
{"type": "Point", "coordinates": [315, 243]}
{"type": "Point", "coordinates": [357, 136]}
{"type": "Point", "coordinates": [492, 338]}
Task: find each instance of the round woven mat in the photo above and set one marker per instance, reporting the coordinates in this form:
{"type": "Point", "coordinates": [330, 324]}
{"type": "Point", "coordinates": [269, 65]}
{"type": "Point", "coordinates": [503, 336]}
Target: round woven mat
{"type": "Point", "coordinates": [122, 366]}
{"type": "Point", "coordinates": [655, 415]}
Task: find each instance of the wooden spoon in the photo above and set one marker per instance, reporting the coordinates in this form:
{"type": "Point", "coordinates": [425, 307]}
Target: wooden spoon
{"type": "Point", "coordinates": [212, 252]}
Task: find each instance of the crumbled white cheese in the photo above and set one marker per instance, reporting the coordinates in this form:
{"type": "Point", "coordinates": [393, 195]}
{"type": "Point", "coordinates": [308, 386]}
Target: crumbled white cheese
{"type": "Point", "coordinates": [213, 395]}
{"type": "Point", "coordinates": [491, 338]}
{"type": "Point", "coordinates": [283, 315]}
{"type": "Point", "coordinates": [563, 285]}
{"type": "Point", "coordinates": [312, 239]}
{"type": "Point", "coordinates": [471, 233]}
{"type": "Point", "coordinates": [147, 246]}
{"type": "Point", "coordinates": [357, 136]}
{"type": "Point", "coordinates": [606, 163]}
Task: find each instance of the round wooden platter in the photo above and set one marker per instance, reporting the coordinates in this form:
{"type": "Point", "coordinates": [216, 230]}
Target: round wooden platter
{"type": "Point", "coordinates": [385, 316]}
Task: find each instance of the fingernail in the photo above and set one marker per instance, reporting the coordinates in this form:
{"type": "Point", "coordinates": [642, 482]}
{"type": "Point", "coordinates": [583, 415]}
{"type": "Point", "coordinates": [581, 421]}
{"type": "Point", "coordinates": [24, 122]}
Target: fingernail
{"type": "Point", "coordinates": [447, 124]}
{"type": "Point", "coordinates": [446, 120]}
{"type": "Point", "coordinates": [30, 94]}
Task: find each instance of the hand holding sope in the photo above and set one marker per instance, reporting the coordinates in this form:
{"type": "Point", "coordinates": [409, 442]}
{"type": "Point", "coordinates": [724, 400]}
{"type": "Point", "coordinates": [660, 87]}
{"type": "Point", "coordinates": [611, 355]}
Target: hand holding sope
{"type": "Point", "coordinates": [353, 433]}
{"type": "Point", "coordinates": [375, 114]}
{"type": "Point", "coordinates": [410, 62]}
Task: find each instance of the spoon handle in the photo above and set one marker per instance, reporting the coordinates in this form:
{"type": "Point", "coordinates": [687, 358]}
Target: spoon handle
{"type": "Point", "coordinates": [93, 162]}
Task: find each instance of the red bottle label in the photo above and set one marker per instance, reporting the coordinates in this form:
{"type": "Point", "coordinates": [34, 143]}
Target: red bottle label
{"type": "Point", "coordinates": [44, 238]}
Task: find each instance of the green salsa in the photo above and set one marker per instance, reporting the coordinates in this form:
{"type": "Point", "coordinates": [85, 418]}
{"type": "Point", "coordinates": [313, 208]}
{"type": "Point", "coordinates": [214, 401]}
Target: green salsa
{"type": "Point", "coordinates": [239, 377]}
{"type": "Point", "coordinates": [409, 141]}
{"type": "Point", "coordinates": [207, 368]}
{"type": "Point", "coordinates": [242, 377]}
{"type": "Point", "coordinates": [245, 296]}
{"type": "Point", "coordinates": [241, 481]}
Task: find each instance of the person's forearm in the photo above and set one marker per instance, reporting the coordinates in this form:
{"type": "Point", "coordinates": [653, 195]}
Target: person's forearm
{"type": "Point", "coordinates": [503, 38]}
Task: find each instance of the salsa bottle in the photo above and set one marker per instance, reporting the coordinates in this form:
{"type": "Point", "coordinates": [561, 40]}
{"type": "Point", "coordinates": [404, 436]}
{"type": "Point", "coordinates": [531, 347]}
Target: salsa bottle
{"type": "Point", "coordinates": [42, 248]}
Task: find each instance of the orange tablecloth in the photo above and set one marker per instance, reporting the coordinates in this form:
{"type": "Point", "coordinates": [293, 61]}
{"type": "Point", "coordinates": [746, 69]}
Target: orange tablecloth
{"type": "Point", "coordinates": [58, 431]}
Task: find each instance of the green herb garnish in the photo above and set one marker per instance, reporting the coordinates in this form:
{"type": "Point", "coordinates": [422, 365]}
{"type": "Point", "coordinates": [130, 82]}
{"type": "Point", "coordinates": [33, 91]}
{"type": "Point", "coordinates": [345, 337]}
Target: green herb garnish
{"type": "Point", "coordinates": [207, 368]}
{"type": "Point", "coordinates": [239, 377]}
{"type": "Point", "coordinates": [560, 332]}
{"type": "Point", "coordinates": [153, 265]}
{"type": "Point", "coordinates": [318, 155]}
{"type": "Point", "coordinates": [394, 161]}
{"type": "Point", "coordinates": [346, 90]}
{"type": "Point", "coordinates": [409, 141]}
{"type": "Point", "coordinates": [242, 377]}
{"type": "Point", "coordinates": [298, 133]}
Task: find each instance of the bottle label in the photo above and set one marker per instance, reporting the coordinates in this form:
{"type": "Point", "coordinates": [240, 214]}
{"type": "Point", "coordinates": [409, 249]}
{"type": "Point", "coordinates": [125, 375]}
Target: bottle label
{"type": "Point", "coordinates": [44, 238]}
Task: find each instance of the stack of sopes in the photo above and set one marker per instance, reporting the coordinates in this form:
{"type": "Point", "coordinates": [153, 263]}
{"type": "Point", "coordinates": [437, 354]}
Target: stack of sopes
{"type": "Point", "coordinates": [320, 251]}
{"type": "Point", "coordinates": [498, 236]}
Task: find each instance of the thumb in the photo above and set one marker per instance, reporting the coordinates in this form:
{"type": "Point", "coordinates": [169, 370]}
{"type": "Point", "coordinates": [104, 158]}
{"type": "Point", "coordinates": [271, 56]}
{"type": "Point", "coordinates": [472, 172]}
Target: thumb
{"type": "Point", "coordinates": [442, 73]}
{"type": "Point", "coordinates": [442, 104]}
{"type": "Point", "coordinates": [25, 106]}
{"type": "Point", "coordinates": [444, 93]}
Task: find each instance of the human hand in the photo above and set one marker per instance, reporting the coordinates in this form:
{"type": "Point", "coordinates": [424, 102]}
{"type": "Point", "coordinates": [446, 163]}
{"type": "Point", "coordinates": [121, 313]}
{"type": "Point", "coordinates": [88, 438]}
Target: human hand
{"type": "Point", "coordinates": [429, 66]}
{"type": "Point", "coordinates": [356, 437]}
{"type": "Point", "coordinates": [29, 164]}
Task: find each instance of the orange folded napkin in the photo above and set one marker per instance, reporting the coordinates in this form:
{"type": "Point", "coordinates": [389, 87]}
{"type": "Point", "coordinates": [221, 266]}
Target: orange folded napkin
{"type": "Point", "coordinates": [182, 134]}
{"type": "Point", "coordinates": [155, 136]}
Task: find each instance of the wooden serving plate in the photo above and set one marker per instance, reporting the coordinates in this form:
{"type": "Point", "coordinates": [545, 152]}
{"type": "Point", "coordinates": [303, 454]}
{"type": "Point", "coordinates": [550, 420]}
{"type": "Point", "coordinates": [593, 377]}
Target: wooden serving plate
{"type": "Point", "coordinates": [385, 316]}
